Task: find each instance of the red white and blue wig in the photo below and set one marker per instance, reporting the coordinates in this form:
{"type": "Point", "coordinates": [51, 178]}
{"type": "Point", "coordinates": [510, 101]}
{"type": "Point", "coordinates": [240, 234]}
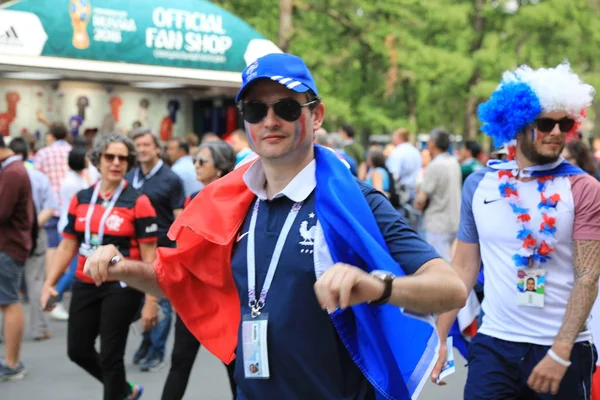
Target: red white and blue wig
{"type": "Point", "coordinates": [525, 93]}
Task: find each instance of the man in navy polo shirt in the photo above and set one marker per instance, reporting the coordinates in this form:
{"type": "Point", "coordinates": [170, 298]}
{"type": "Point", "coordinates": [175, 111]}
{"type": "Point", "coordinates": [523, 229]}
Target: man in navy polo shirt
{"type": "Point", "coordinates": [165, 191]}
{"type": "Point", "coordinates": [290, 238]}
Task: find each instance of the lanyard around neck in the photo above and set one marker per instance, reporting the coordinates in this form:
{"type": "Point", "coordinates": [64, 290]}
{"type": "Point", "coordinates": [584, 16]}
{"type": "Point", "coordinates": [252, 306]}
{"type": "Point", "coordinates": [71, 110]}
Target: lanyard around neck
{"type": "Point", "coordinates": [255, 305]}
{"type": "Point", "coordinates": [107, 211]}
{"type": "Point", "coordinates": [139, 183]}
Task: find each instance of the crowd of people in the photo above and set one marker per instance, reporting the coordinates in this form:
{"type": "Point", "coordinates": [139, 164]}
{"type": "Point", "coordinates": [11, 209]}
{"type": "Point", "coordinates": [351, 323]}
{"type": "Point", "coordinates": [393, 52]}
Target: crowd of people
{"type": "Point", "coordinates": [368, 245]}
{"type": "Point", "coordinates": [121, 189]}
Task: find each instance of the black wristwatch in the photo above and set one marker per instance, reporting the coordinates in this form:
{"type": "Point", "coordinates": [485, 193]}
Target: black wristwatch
{"type": "Point", "coordinates": [387, 278]}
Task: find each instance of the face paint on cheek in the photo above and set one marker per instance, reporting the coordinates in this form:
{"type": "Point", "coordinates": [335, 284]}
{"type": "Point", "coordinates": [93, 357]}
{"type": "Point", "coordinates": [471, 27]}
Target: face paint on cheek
{"type": "Point", "coordinates": [251, 133]}
{"type": "Point", "coordinates": [300, 130]}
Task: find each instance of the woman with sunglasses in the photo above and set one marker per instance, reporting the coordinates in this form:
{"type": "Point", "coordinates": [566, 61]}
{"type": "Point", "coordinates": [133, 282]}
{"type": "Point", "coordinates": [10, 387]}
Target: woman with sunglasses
{"type": "Point", "coordinates": [109, 212]}
{"type": "Point", "coordinates": [214, 160]}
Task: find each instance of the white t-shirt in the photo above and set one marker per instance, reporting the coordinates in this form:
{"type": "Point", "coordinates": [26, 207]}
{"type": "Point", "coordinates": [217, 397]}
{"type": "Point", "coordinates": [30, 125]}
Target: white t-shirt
{"type": "Point", "coordinates": [71, 185]}
{"type": "Point", "coordinates": [487, 218]}
{"type": "Point", "coordinates": [404, 163]}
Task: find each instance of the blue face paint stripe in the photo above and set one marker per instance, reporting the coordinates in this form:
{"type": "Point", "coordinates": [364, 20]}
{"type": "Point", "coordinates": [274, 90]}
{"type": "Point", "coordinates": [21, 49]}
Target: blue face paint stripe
{"type": "Point", "coordinates": [248, 135]}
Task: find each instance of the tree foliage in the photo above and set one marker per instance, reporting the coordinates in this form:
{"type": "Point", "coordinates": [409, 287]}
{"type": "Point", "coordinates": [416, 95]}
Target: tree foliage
{"type": "Point", "coordinates": [381, 64]}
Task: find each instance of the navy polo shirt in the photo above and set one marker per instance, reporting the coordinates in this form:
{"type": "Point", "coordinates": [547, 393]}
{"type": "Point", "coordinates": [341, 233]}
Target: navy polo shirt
{"type": "Point", "coordinates": [307, 359]}
{"type": "Point", "coordinates": [165, 191]}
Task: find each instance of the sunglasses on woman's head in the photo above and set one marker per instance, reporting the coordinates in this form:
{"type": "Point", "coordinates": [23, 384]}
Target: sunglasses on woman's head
{"type": "Point", "coordinates": [547, 124]}
{"type": "Point", "coordinates": [288, 109]}
{"type": "Point", "coordinates": [111, 157]}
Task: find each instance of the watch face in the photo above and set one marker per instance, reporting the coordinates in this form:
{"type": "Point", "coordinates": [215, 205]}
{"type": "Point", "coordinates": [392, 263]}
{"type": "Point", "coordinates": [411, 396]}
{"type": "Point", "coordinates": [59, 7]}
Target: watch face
{"type": "Point", "coordinates": [383, 275]}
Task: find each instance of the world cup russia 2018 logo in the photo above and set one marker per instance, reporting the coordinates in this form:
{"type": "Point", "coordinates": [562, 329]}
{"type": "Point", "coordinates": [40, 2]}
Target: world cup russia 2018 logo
{"type": "Point", "coordinates": [80, 12]}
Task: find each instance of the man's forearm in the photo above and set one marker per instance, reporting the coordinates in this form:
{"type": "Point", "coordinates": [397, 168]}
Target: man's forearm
{"type": "Point", "coordinates": [586, 262]}
{"type": "Point", "coordinates": [44, 216]}
{"type": "Point", "coordinates": [141, 276]}
{"type": "Point", "coordinates": [436, 290]}
{"type": "Point", "coordinates": [466, 263]}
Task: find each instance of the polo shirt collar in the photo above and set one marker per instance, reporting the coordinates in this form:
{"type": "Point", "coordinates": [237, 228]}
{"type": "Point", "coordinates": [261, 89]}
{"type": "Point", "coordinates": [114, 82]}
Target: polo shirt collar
{"type": "Point", "coordinates": [297, 190]}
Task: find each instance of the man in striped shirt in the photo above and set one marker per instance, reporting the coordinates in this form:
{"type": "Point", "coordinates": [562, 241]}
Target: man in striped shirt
{"type": "Point", "coordinates": [53, 161]}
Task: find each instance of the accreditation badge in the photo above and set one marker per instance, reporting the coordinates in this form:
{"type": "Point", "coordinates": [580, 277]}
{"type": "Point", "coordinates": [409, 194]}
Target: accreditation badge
{"type": "Point", "coordinates": [254, 347]}
{"type": "Point", "coordinates": [531, 286]}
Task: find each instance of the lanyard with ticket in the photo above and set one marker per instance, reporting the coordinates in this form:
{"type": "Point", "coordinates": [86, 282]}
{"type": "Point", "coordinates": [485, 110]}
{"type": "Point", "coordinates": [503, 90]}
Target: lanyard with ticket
{"type": "Point", "coordinates": [257, 305]}
{"type": "Point", "coordinates": [254, 326]}
{"type": "Point", "coordinates": [139, 183]}
{"type": "Point", "coordinates": [107, 211]}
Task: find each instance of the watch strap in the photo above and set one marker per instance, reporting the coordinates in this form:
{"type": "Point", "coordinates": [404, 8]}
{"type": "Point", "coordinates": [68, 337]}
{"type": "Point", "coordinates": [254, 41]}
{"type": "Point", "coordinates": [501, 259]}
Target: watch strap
{"type": "Point", "coordinates": [387, 279]}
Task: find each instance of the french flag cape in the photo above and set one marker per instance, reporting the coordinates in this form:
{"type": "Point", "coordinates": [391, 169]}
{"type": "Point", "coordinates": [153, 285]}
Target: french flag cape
{"type": "Point", "coordinates": [465, 327]}
{"type": "Point", "coordinates": [394, 351]}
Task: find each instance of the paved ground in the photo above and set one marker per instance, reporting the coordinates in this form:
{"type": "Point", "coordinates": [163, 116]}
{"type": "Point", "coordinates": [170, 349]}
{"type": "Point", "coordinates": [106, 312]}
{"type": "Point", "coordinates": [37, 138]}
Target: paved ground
{"type": "Point", "coordinates": [51, 376]}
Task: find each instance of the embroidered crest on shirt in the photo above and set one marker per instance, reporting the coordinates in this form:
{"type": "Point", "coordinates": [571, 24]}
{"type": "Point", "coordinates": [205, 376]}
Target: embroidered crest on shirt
{"type": "Point", "coordinates": [114, 222]}
{"type": "Point", "coordinates": [308, 234]}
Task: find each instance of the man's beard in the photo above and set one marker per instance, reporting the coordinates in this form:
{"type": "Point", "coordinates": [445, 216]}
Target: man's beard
{"type": "Point", "coordinates": [529, 151]}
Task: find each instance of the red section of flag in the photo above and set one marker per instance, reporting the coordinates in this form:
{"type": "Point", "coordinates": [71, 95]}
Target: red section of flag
{"type": "Point", "coordinates": [197, 277]}
{"type": "Point", "coordinates": [471, 330]}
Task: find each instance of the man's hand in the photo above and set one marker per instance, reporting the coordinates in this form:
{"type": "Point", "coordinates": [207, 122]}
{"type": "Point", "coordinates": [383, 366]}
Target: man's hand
{"type": "Point", "coordinates": [547, 374]}
{"type": "Point", "coordinates": [149, 315]}
{"type": "Point", "coordinates": [343, 285]}
{"type": "Point", "coordinates": [98, 266]}
{"type": "Point", "coordinates": [437, 369]}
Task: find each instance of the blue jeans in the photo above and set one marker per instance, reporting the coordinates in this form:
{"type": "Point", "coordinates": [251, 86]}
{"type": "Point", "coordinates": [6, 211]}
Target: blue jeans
{"type": "Point", "coordinates": [156, 338]}
{"type": "Point", "coordinates": [66, 280]}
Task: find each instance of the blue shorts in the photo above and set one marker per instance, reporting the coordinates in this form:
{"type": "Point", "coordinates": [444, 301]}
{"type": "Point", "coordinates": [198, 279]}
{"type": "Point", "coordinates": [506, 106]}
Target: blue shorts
{"type": "Point", "coordinates": [499, 370]}
{"type": "Point", "coordinates": [11, 276]}
{"type": "Point", "coordinates": [53, 234]}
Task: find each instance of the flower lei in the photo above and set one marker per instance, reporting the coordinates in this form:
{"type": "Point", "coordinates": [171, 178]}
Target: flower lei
{"type": "Point", "coordinates": [533, 250]}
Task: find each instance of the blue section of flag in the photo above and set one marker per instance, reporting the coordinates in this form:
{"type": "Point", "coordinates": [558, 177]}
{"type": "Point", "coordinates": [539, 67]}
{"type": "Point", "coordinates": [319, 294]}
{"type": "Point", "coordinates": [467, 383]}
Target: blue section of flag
{"type": "Point", "coordinates": [563, 169]}
{"type": "Point", "coordinates": [393, 350]}
{"type": "Point", "coordinates": [458, 340]}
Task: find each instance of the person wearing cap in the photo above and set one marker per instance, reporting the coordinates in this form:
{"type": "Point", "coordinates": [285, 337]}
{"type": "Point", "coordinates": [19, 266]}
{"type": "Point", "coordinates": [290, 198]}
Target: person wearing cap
{"type": "Point", "coordinates": [535, 216]}
{"type": "Point", "coordinates": [309, 278]}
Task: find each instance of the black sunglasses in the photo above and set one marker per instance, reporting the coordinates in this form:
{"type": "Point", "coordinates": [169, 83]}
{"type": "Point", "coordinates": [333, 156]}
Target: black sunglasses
{"type": "Point", "coordinates": [111, 157]}
{"type": "Point", "coordinates": [288, 109]}
{"type": "Point", "coordinates": [547, 124]}
{"type": "Point", "coordinates": [201, 161]}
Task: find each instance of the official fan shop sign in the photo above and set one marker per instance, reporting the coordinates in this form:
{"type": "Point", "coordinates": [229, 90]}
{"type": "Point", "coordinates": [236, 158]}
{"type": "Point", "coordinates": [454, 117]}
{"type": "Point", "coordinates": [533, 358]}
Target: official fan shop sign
{"type": "Point", "coordinates": [178, 33]}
